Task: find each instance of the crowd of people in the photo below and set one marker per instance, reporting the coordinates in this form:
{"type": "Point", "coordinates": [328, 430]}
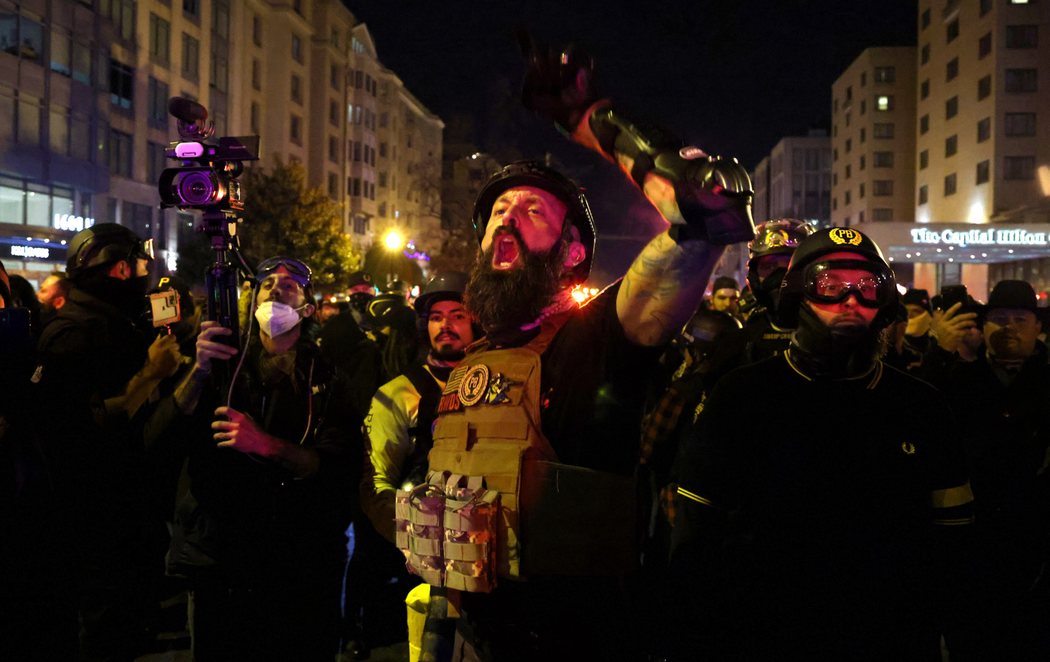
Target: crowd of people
{"type": "Point", "coordinates": [813, 467]}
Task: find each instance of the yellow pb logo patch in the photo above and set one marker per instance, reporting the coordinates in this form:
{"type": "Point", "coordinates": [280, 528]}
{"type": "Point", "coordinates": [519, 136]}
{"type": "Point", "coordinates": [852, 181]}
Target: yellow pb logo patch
{"type": "Point", "coordinates": [846, 236]}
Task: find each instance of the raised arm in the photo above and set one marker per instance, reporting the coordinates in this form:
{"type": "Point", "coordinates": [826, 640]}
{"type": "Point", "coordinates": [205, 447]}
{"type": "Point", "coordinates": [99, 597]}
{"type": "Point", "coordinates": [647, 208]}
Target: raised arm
{"type": "Point", "coordinates": [705, 199]}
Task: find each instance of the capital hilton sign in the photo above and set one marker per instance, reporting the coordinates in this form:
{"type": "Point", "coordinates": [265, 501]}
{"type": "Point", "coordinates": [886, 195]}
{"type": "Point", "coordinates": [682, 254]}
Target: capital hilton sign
{"type": "Point", "coordinates": [979, 237]}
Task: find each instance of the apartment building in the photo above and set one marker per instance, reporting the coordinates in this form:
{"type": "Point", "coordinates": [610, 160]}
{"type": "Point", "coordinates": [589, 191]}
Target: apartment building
{"type": "Point", "coordinates": [982, 147]}
{"type": "Point", "coordinates": [84, 86]}
{"type": "Point", "coordinates": [794, 181]}
{"type": "Point", "coordinates": [873, 138]}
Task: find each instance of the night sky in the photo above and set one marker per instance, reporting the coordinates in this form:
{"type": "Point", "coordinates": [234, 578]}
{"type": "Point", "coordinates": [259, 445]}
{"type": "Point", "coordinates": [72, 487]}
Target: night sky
{"type": "Point", "coordinates": [732, 77]}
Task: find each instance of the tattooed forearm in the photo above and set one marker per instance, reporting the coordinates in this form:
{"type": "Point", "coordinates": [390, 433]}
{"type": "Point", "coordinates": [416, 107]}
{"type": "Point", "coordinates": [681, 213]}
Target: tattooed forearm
{"type": "Point", "coordinates": [663, 287]}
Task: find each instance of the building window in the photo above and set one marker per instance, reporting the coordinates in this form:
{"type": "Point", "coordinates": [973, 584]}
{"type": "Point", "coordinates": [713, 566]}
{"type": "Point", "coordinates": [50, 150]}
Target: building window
{"type": "Point", "coordinates": [361, 223]}
{"type": "Point", "coordinates": [949, 185]}
{"type": "Point", "coordinates": [120, 153]}
{"type": "Point", "coordinates": [985, 7]}
{"type": "Point", "coordinates": [984, 46]}
{"type": "Point", "coordinates": [885, 75]}
{"type": "Point", "coordinates": [883, 160]}
{"type": "Point", "coordinates": [924, 19]}
{"type": "Point", "coordinates": [882, 130]}
{"type": "Point", "coordinates": [884, 102]}
{"type": "Point", "coordinates": [121, 85]}
{"type": "Point", "coordinates": [846, 198]}
{"type": "Point", "coordinates": [382, 179]}
{"type": "Point", "coordinates": [983, 172]}
{"type": "Point", "coordinates": [924, 159]}
{"type": "Point", "coordinates": [158, 102]}
{"type": "Point", "coordinates": [156, 159]}
{"type": "Point", "coordinates": [159, 40]}
{"type": "Point", "coordinates": [848, 172]}
{"type": "Point", "coordinates": [952, 30]}
{"type": "Point", "coordinates": [863, 134]}
{"type": "Point", "coordinates": [256, 75]}
{"type": "Point", "coordinates": [190, 57]}
{"type": "Point", "coordinates": [924, 124]}
{"type": "Point", "coordinates": [849, 144]}
{"type": "Point", "coordinates": [333, 77]}
{"type": "Point", "coordinates": [951, 108]}
{"type": "Point", "coordinates": [333, 113]}
{"type": "Point", "coordinates": [191, 8]}
{"type": "Point", "coordinates": [924, 195]}
{"type": "Point", "coordinates": [881, 214]}
{"type": "Point", "coordinates": [1022, 36]}
{"type": "Point", "coordinates": [951, 145]}
{"type": "Point", "coordinates": [295, 130]}
{"type": "Point", "coordinates": [860, 191]}
{"type": "Point", "coordinates": [863, 162]}
{"type": "Point", "coordinates": [984, 87]}
{"type": "Point", "coordinates": [253, 118]}
{"type": "Point", "coordinates": [863, 106]}
{"type": "Point", "coordinates": [924, 89]}
{"type": "Point", "coordinates": [219, 73]}
{"type": "Point", "coordinates": [1019, 124]}
{"type": "Point", "coordinates": [333, 150]}
{"type": "Point", "coordinates": [121, 12]}
{"type": "Point", "coordinates": [257, 31]}
{"type": "Point", "coordinates": [882, 187]}
{"type": "Point", "coordinates": [333, 186]}
{"type": "Point", "coordinates": [297, 89]}
{"type": "Point", "coordinates": [924, 54]}
{"type": "Point", "coordinates": [952, 69]}
{"type": "Point", "coordinates": [1021, 81]}
{"type": "Point", "coordinates": [984, 129]}
{"type": "Point", "coordinates": [297, 48]}
{"type": "Point", "coordinates": [1018, 167]}
{"type": "Point", "coordinates": [357, 152]}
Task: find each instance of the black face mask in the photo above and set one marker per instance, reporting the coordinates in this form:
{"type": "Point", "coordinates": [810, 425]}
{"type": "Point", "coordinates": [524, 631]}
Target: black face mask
{"type": "Point", "coordinates": [359, 301]}
{"type": "Point", "coordinates": [836, 353]}
{"type": "Point", "coordinates": [768, 291]}
{"type": "Point", "coordinates": [128, 296]}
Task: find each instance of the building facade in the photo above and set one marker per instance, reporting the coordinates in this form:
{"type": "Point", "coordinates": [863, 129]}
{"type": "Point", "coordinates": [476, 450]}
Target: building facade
{"type": "Point", "coordinates": [84, 86]}
{"type": "Point", "coordinates": [794, 181]}
{"type": "Point", "coordinates": [873, 138]}
{"type": "Point", "coordinates": [982, 148]}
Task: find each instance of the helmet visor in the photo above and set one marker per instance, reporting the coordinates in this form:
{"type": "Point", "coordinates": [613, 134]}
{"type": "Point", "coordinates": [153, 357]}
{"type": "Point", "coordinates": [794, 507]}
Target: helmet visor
{"type": "Point", "coordinates": [298, 270]}
{"type": "Point", "coordinates": [833, 281]}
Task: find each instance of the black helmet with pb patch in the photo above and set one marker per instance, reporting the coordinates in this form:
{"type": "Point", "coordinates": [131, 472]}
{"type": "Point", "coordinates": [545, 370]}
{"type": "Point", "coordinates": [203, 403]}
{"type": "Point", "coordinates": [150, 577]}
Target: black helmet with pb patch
{"type": "Point", "coordinates": [535, 173]}
{"type": "Point", "coordinates": [806, 265]}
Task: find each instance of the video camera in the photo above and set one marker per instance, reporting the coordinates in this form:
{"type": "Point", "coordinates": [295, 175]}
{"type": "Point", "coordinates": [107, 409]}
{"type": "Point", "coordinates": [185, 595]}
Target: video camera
{"type": "Point", "coordinates": [207, 178]}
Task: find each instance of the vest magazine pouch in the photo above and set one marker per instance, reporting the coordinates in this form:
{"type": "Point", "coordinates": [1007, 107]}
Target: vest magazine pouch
{"type": "Point", "coordinates": [471, 528]}
{"type": "Point", "coordinates": [419, 531]}
{"type": "Point", "coordinates": [576, 521]}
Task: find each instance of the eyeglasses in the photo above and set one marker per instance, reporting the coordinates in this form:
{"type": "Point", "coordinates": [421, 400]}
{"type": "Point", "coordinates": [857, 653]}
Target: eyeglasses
{"type": "Point", "coordinates": [835, 280]}
{"type": "Point", "coordinates": [298, 270]}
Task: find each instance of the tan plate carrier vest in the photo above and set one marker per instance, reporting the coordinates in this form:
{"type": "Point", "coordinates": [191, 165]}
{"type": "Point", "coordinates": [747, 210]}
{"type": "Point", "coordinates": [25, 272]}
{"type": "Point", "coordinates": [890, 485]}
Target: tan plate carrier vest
{"type": "Point", "coordinates": [497, 493]}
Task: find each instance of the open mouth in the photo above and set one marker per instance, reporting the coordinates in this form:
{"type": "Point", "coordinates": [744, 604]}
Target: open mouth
{"type": "Point", "coordinates": [505, 252]}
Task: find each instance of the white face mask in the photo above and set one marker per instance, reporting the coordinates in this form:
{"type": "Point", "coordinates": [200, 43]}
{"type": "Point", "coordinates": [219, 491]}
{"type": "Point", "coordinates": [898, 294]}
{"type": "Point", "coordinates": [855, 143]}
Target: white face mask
{"type": "Point", "coordinates": [277, 318]}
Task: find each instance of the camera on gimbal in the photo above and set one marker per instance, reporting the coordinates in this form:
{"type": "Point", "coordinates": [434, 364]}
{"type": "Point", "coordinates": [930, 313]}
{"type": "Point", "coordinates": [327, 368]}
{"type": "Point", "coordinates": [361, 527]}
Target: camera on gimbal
{"type": "Point", "coordinates": [207, 177]}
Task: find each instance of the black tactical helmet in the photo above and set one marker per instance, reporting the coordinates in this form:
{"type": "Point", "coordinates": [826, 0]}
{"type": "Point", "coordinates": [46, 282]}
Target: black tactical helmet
{"type": "Point", "coordinates": [535, 173]}
{"type": "Point", "coordinates": [104, 243]}
{"type": "Point", "coordinates": [825, 242]}
{"type": "Point", "coordinates": [442, 287]}
{"type": "Point", "coordinates": [778, 236]}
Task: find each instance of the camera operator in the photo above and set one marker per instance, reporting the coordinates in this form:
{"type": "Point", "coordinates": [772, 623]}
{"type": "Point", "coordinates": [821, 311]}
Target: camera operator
{"type": "Point", "coordinates": [273, 463]}
{"type": "Point", "coordinates": [99, 368]}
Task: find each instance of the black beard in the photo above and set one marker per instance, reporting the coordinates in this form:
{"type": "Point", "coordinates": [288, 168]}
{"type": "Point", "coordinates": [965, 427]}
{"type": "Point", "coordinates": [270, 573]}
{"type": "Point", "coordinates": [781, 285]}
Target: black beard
{"type": "Point", "coordinates": [505, 300]}
{"type": "Point", "coordinates": [448, 354]}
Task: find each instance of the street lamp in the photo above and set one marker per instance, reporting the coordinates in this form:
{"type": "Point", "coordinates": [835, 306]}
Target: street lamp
{"type": "Point", "coordinates": [393, 241]}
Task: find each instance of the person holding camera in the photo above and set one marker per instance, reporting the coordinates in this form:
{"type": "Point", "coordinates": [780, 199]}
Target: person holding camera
{"type": "Point", "coordinates": [273, 460]}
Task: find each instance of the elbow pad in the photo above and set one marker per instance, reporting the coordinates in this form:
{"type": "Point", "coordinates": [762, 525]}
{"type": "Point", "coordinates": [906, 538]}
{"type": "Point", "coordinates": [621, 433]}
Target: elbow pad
{"type": "Point", "coordinates": [713, 194]}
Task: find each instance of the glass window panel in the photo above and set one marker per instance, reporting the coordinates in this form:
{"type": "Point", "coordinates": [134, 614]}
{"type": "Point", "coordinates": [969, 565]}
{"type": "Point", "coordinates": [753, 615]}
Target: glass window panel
{"type": "Point", "coordinates": [59, 129]}
{"type": "Point", "coordinates": [38, 206]}
{"type": "Point", "coordinates": [60, 52]}
{"type": "Point", "coordinates": [12, 205]}
{"type": "Point", "coordinates": [28, 120]}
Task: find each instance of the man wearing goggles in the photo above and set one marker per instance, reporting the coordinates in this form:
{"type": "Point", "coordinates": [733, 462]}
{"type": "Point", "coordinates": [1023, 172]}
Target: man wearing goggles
{"type": "Point", "coordinates": [816, 536]}
{"type": "Point", "coordinates": [273, 460]}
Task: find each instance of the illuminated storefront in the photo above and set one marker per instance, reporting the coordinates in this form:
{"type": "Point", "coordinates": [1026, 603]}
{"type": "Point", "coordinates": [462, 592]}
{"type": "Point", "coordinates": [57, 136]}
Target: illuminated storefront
{"type": "Point", "coordinates": [930, 255]}
{"type": "Point", "coordinates": [36, 224]}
